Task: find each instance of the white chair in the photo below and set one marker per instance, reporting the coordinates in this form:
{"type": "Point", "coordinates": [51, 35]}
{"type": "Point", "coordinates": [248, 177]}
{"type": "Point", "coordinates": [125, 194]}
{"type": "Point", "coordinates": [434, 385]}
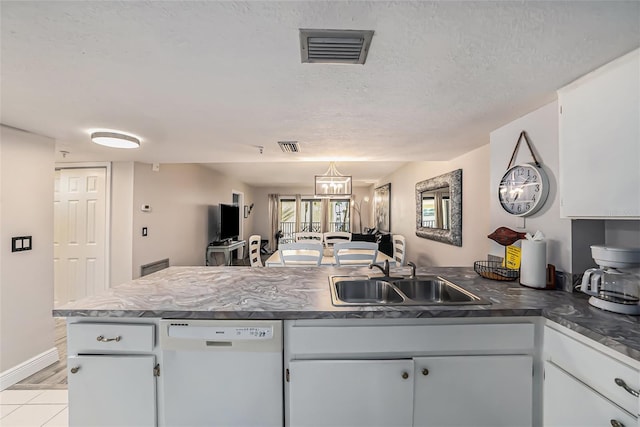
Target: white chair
{"type": "Point", "coordinates": [300, 253]}
{"type": "Point", "coordinates": [254, 250]}
{"type": "Point", "coordinates": [399, 247]}
{"type": "Point", "coordinates": [355, 253]}
{"type": "Point", "coordinates": [332, 237]}
{"type": "Point", "coordinates": [306, 236]}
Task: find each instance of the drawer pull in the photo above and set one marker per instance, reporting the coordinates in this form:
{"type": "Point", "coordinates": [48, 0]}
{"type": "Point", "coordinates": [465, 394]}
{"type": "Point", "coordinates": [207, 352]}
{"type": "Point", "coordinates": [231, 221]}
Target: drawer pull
{"type": "Point", "coordinates": [75, 369]}
{"type": "Point", "coordinates": [405, 375]}
{"type": "Point", "coordinates": [629, 390]}
{"type": "Point", "coordinates": [103, 339]}
{"type": "Point", "coordinates": [616, 423]}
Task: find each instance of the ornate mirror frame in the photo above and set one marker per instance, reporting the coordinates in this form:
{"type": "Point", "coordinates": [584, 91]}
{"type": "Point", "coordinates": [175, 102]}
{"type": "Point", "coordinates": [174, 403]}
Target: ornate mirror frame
{"type": "Point", "coordinates": [452, 236]}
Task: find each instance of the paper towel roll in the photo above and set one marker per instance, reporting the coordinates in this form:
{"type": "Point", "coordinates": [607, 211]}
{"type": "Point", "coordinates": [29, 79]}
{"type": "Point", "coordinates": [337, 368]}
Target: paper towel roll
{"type": "Point", "coordinates": [533, 267]}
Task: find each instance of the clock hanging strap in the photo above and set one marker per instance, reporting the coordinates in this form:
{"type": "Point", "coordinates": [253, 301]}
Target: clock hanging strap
{"type": "Point", "coordinates": [523, 134]}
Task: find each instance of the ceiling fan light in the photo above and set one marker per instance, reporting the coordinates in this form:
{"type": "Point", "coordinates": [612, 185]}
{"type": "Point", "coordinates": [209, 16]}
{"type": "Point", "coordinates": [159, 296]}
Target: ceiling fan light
{"type": "Point", "coordinates": [115, 140]}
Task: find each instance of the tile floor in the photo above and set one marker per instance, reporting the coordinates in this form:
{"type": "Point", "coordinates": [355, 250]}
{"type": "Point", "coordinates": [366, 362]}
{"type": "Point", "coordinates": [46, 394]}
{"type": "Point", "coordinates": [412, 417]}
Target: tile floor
{"type": "Point", "coordinates": [34, 408]}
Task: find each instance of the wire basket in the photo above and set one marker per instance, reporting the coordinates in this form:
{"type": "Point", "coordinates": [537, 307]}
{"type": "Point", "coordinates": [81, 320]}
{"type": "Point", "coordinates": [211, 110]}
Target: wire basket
{"type": "Point", "coordinates": [495, 271]}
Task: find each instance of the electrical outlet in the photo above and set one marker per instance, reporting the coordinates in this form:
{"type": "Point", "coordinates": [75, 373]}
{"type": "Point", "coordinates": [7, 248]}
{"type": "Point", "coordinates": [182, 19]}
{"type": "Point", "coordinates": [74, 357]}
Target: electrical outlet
{"type": "Point", "coordinates": [144, 232]}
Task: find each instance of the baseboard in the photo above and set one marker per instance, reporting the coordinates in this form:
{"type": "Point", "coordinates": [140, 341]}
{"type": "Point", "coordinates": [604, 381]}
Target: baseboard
{"type": "Point", "coordinates": [28, 367]}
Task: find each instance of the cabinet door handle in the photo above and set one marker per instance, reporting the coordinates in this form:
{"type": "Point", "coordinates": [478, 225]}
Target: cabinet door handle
{"type": "Point", "coordinates": [616, 423]}
{"type": "Point", "coordinates": [425, 371]}
{"type": "Point", "coordinates": [624, 385]}
{"type": "Point", "coordinates": [405, 375]}
{"type": "Point", "coordinates": [75, 369]}
{"type": "Point", "coordinates": [103, 339]}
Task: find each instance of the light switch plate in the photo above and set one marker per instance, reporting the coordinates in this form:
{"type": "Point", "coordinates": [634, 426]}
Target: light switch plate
{"type": "Point", "coordinates": [21, 243]}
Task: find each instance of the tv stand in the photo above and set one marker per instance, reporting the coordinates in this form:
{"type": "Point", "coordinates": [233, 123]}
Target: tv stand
{"type": "Point", "coordinates": [225, 247]}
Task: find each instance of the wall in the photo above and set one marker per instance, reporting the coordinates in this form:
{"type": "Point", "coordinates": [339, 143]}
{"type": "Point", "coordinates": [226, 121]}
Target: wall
{"type": "Point", "coordinates": [541, 126]}
{"type": "Point", "coordinates": [260, 213]}
{"type": "Point", "coordinates": [26, 278]}
{"type": "Point", "coordinates": [121, 269]}
{"type": "Point", "coordinates": [475, 210]}
{"type": "Point", "coordinates": [622, 233]}
{"type": "Point", "coordinates": [568, 241]}
{"type": "Point", "coordinates": [179, 195]}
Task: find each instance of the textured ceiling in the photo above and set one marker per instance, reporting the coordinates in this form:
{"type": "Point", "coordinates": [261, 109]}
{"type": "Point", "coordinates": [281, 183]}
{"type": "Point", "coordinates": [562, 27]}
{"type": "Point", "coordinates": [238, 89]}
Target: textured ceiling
{"type": "Point", "coordinates": [208, 82]}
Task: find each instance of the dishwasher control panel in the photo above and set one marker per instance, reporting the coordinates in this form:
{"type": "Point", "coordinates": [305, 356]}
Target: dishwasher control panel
{"type": "Point", "coordinates": [227, 333]}
{"type": "Point", "coordinates": [219, 334]}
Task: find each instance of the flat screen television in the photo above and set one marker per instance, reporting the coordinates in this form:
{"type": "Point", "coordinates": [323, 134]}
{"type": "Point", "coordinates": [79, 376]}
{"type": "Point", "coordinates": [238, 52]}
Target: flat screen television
{"type": "Point", "coordinates": [224, 222]}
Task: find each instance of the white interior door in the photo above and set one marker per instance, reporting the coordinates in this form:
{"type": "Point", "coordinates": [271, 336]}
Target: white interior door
{"type": "Point", "coordinates": [79, 242]}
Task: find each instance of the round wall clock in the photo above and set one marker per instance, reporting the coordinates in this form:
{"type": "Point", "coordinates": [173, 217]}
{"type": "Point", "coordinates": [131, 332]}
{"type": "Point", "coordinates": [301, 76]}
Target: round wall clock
{"type": "Point", "coordinates": [523, 189]}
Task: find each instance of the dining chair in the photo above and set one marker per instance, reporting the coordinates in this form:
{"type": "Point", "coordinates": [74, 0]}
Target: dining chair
{"type": "Point", "coordinates": [301, 253]}
{"type": "Point", "coordinates": [306, 236]}
{"type": "Point", "coordinates": [399, 249]}
{"type": "Point", "coordinates": [332, 237]}
{"type": "Point", "coordinates": [355, 253]}
{"type": "Point", "coordinates": [254, 250]}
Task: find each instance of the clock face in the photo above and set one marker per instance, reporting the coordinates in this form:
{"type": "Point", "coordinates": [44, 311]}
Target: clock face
{"type": "Point", "coordinates": [523, 189]}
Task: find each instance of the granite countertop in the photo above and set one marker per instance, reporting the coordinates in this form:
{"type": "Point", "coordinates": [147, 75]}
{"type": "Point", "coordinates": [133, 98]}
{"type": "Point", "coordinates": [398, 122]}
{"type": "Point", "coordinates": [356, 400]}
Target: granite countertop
{"type": "Point", "coordinates": [303, 293]}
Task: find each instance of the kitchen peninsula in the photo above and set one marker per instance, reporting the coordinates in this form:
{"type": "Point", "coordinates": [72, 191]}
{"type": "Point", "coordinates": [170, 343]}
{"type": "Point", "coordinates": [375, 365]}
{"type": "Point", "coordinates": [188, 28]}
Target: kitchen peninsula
{"type": "Point", "coordinates": [329, 352]}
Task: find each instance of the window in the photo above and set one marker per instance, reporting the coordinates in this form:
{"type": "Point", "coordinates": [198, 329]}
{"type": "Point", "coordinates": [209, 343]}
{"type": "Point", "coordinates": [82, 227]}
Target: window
{"type": "Point", "coordinates": [310, 216]}
{"type": "Point", "coordinates": [339, 215]}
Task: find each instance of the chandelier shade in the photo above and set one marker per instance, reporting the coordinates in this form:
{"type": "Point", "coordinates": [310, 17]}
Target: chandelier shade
{"type": "Point", "coordinates": [332, 184]}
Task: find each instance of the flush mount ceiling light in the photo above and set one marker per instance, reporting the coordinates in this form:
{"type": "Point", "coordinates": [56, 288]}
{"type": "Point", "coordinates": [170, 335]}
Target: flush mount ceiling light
{"type": "Point", "coordinates": [332, 184]}
{"type": "Point", "coordinates": [115, 140]}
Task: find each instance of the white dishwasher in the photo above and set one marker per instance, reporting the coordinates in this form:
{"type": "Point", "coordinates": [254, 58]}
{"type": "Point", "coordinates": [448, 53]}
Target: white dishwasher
{"type": "Point", "coordinates": [221, 373]}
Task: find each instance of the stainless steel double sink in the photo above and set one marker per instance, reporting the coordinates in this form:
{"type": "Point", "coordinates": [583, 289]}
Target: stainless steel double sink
{"type": "Point", "coordinates": [422, 290]}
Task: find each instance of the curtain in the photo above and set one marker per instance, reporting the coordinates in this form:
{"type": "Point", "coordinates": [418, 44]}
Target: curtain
{"type": "Point", "coordinates": [354, 209]}
{"type": "Point", "coordinates": [298, 213]}
{"type": "Point", "coordinates": [324, 215]}
{"type": "Point", "coordinates": [274, 220]}
{"type": "Point", "coordinates": [438, 208]}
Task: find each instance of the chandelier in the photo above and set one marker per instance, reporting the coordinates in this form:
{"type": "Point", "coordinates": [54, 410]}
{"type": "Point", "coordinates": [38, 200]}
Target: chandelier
{"type": "Point", "coordinates": [332, 184]}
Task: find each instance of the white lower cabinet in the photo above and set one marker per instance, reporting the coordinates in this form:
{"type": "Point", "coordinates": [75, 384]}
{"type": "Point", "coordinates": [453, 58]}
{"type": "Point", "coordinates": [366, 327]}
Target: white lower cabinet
{"type": "Point", "coordinates": [111, 371]}
{"type": "Point", "coordinates": [112, 390]}
{"type": "Point", "coordinates": [351, 393]}
{"type": "Point", "coordinates": [358, 373]}
{"type": "Point", "coordinates": [569, 402]}
{"type": "Point", "coordinates": [586, 383]}
{"type": "Point", "coordinates": [473, 391]}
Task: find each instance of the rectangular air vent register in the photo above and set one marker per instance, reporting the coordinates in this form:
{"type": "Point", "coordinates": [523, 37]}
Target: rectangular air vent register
{"type": "Point", "coordinates": [335, 46]}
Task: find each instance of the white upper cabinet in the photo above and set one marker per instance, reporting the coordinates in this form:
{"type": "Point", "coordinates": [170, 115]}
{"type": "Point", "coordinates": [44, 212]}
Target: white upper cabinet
{"type": "Point", "coordinates": [600, 142]}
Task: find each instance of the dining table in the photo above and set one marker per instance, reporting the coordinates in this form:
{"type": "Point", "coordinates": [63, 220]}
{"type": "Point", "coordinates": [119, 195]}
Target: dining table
{"type": "Point", "coordinates": [328, 260]}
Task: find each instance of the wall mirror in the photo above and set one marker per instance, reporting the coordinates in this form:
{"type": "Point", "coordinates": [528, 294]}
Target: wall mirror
{"type": "Point", "coordinates": [439, 208]}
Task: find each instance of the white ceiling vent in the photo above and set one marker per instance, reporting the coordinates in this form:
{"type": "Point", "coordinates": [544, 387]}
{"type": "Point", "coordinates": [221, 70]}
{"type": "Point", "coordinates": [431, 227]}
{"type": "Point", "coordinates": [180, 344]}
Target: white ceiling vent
{"type": "Point", "coordinates": [289, 146]}
{"type": "Point", "coordinates": [335, 46]}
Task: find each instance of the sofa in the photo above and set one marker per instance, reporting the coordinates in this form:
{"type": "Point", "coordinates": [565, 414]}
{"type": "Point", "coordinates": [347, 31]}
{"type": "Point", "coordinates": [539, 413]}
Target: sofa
{"type": "Point", "coordinates": [385, 245]}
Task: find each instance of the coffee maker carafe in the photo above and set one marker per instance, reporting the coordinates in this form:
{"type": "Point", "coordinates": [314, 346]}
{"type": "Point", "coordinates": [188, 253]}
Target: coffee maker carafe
{"type": "Point", "coordinates": [615, 286]}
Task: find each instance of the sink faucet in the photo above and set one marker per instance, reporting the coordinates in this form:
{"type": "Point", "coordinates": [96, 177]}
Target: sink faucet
{"type": "Point", "coordinates": [413, 270]}
{"type": "Point", "coordinates": [385, 269]}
